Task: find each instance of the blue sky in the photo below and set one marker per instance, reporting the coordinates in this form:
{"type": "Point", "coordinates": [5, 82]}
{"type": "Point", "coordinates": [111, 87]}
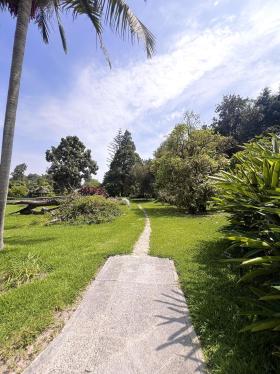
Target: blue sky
{"type": "Point", "coordinates": [205, 49]}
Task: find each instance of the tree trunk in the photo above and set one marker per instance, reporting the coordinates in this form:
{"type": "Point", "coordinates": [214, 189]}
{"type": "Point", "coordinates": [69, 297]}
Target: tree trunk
{"type": "Point", "coordinates": [24, 11]}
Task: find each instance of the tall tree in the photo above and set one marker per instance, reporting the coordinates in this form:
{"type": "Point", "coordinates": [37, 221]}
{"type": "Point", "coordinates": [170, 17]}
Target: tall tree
{"type": "Point", "coordinates": [114, 146]}
{"type": "Point", "coordinates": [229, 116]}
{"type": "Point", "coordinates": [18, 173]}
{"type": "Point", "coordinates": [116, 13]}
{"type": "Point", "coordinates": [269, 106]}
{"type": "Point", "coordinates": [144, 179]}
{"type": "Point", "coordinates": [243, 119]}
{"type": "Point", "coordinates": [119, 180]}
{"type": "Point", "coordinates": [71, 162]}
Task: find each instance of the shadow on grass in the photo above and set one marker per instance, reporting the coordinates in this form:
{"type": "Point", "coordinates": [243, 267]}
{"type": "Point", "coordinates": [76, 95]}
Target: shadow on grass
{"type": "Point", "coordinates": [13, 227]}
{"type": "Point", "coordinates": [214, 300]}
{"type": "Point", "coordinates": [167, 211]}
{"type": "Point", "coordinates": [23, 241]}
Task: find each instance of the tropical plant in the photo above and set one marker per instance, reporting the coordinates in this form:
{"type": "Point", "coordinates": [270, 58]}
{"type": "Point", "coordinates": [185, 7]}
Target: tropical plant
{"type": "Point", "coordinates": [250, 193]}
{"type": "Point", "coordinates": [116, 13]}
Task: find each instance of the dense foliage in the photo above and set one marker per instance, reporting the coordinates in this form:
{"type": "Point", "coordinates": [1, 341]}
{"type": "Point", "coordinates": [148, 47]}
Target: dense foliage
{"type": "Point", "coordinates": [144, 179]}
{"type": "Point", "coordinates": [244, 118]}
{"type": "Point", "coordinates": [18, 189]}
{"type": "Point", "coordinates": [18, 173]}
{"type": "Point", "coordinates": [87, 209]}
{"type": "Point", "coordinates": [31, 185]}
{"type": "Point", "coordinates": [183, 163]}
{"type": "Point", "coordinates": [250, 193]}
{"type": "Point", "coordinates": [71, 162]}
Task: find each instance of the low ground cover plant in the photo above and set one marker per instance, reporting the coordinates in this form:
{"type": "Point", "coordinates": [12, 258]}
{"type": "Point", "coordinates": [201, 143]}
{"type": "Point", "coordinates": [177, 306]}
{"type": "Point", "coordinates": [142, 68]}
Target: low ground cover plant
{"type": "Point", "coordinates": [250, 193]}
{"type": "Point", "coordinates": [87, 209]}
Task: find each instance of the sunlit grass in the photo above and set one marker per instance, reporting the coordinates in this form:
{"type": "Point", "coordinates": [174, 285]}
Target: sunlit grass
{"type": "Point", "coordinates": [44, 268]}
{"type": "Point", "coordinates": [195, 244]}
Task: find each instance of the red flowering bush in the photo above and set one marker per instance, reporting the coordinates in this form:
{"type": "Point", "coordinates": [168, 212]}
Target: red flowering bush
{"type": "Point", "coordinates": [91, 191]}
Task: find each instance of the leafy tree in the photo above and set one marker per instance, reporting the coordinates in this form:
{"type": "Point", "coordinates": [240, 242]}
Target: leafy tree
{"type": "Point", "coordinates": [119, 180]}
{"type": "Point", "coordinates": [116, 13]}
{"type": "Point", "coordinates": [18, 189]}
{"type": "Point", "coordinates": [92, 182]}
{"type": "Point", "coordinates": [192, 119]}
{"type": "Point", "coordinates": [243, 119]}
{"type": "Point", "coordinates": [39, 185]}
{"type": "Point", "coordinates": [71, 162]}
{"type": "Point", "coordinates": [230, 113]}
{"type": "Point", "coordinates": [144, 179]}
{"type": "Point", "coordinates": [183, 163]}
{"type": "Point", "coordinates": [269, 106]}
{"type": "Point", "coordinates": [18, 173]}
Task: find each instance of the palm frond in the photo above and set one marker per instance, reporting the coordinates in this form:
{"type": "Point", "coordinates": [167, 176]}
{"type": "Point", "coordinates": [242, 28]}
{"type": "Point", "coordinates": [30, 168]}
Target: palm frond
{"type": "Point", "coordinates": [116, 13]}
{"type": "Point", "coordinates": [10, 5]}
{"type": "Point", "coordinates": [42, 18]}
{"type": "Point", "coordinates": [60, 26]}
{"type": "Point", "coordinates": [87, 7]}
{"type": "Point", "coordinates": [121, 18]}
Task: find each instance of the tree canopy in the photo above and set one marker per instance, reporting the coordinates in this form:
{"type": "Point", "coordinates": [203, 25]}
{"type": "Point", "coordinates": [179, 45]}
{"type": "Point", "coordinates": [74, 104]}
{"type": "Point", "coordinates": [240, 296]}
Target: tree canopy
{"type": "Point", "coordinates": [18, 173]}
{"type": "Point", "coordinates": [244, 118]}
{"type": "Point", "coordinates": [183, 163]}
{"type": "Point", "coordinates": [71, 162]}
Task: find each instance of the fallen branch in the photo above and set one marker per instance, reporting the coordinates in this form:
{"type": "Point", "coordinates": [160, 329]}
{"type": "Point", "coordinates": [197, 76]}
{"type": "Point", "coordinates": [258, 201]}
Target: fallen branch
{"type": "Point", "coordinates": [32, 204]}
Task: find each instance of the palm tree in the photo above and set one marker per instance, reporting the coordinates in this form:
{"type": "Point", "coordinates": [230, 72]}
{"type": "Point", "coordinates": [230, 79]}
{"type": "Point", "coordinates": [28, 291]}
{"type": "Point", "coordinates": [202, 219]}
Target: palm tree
{"type": "Point", "coordinates": [115, 13]}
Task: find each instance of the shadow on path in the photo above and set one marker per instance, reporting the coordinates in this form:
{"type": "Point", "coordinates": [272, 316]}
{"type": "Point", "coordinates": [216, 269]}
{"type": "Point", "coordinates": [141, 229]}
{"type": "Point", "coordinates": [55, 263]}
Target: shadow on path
{"type": "Point", "coordinates": [184, 334]}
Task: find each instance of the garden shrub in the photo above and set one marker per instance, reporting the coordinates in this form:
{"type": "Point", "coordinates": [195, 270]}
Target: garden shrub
{"type": "Point", "coordinates": [91, 191]}
{"type": "Point", "coordinates": [87, 209]}
{"type": "Point", "coordinates": [250, 193]}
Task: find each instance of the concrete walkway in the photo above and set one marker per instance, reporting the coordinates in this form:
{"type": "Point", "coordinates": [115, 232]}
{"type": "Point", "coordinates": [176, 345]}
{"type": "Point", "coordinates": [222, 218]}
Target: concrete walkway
{"type": "Point", "coordinates": [132, 320]}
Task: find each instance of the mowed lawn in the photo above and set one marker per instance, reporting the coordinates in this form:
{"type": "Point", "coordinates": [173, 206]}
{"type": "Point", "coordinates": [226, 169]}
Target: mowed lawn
{"type": "Point", "coordinates": [211, 289]}
{"type": "Point", "coordinates": [62, 261]}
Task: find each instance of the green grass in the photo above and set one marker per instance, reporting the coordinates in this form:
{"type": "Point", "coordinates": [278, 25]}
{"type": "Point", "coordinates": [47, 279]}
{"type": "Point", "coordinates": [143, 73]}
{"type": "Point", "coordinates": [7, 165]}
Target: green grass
{"type": "Point", "coordinates": [44, 268]}
{"type": "Point", "coordinates": [212, 292]}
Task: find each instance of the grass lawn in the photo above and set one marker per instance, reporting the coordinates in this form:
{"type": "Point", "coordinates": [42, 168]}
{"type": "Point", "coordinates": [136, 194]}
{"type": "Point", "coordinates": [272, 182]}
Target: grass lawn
{"type": "Point", "coordinates": [211, 290]}
{"type": "Point", "coordinates": [62, 260]}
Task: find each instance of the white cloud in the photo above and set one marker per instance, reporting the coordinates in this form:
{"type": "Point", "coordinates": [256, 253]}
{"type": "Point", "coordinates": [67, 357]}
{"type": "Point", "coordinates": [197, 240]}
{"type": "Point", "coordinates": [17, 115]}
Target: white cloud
{"type": "Point", "coordinates": [100, 101]}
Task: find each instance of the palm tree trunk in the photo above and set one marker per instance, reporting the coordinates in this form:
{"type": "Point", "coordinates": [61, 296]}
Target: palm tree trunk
{"type": "Point", "coordinates": [23, 17]}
